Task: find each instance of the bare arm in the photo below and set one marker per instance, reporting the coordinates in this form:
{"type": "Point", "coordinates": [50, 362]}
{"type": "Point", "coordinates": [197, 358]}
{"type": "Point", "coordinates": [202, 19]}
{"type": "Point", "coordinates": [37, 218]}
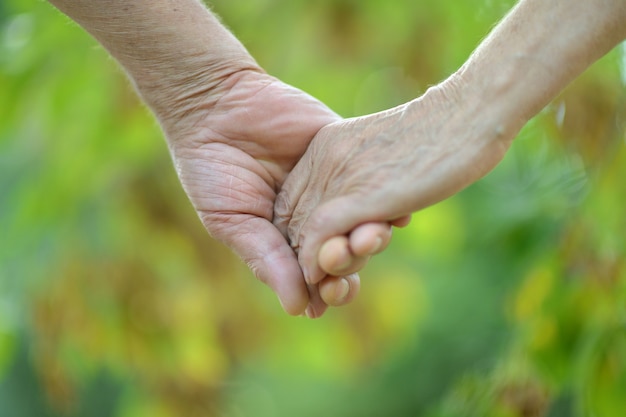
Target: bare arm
{"type": "Point", "coordinates": [535, 52]}
{"type": "Point", "coordinates": [234, 131]}
{"type": "Point", "coordinates": [386, 165]}
{"type": "Point", "coordinates": [176, 52]}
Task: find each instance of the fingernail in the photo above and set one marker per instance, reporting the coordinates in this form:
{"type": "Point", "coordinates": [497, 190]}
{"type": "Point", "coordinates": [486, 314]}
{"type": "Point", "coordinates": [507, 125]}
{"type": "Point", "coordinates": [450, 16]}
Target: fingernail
{"type": "Point", "coordinates": [343, 289]}
{"type": "Point", "coordinates": [310, 312]}
{"type": "Point", "coordinates": [343, 265]}
{"type": "Point", "coordinates": [377, 245]}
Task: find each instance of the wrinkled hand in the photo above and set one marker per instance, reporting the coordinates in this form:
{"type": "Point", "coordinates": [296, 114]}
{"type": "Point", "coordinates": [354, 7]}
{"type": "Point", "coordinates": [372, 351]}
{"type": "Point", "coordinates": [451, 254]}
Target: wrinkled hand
{"type": "Point", "coordinates": [382, 168]}
{"type": "Point", "coordinates": [233, 158]}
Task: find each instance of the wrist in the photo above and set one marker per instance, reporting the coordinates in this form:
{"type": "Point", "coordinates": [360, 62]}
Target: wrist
{"type": "Point", "coordinates": [486, 110]}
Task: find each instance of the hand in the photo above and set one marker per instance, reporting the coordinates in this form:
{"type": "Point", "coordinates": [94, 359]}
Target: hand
{"type": "Point", "coordinates": [234, 132]}
{"type": "Point", "coordinates": [233, 156]}
{"type": "Point", "coordinates": [383, 167]}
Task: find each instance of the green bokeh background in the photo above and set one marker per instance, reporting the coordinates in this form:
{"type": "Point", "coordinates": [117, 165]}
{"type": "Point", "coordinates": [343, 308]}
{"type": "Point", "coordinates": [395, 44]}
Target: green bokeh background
{"type": "Point", "coordinates": [507, 300]}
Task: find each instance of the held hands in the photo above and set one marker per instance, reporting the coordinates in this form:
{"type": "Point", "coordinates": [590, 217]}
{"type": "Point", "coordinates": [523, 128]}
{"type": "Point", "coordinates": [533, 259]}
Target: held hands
{"type": "Point", "coordinates": [234, 132]}
{"type": "Point", "coordinates": [381, 168]}
{"type": "Point", "coordinates": [322, 219]}
{"type": "Point", "coordinates": [232, 158]}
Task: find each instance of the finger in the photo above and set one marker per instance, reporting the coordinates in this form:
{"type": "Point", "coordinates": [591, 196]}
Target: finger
{"type": "Point", "coordinates": [317, 305]}
{"type": "Point", "coordinates": [339, 291]}
{"type": "Point", "coordinates": [401, 221]}
{"type": "Point", "coordinates": [335, 254]}
{"type": "Point", "coordinates": [370, 238]}
{"type": "Point", "coordinates": [266, 252]}
{"type": "Point", "coordinates": [336, 258]}
{"type": "Point", "coordinates": [334, 218]}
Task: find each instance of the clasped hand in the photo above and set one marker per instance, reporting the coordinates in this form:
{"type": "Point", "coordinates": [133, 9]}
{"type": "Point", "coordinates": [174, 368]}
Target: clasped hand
{"type": "Point", "coordinates": [233, 158]}
{"type": "Point", "coordinates": [305, 197]}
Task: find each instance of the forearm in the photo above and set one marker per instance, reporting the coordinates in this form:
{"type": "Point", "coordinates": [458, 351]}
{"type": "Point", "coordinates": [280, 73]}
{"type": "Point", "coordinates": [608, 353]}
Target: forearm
{"type": "Point", "coordinates": [535, 52]}
{"type": "Point", "coordinates": [174, 51]}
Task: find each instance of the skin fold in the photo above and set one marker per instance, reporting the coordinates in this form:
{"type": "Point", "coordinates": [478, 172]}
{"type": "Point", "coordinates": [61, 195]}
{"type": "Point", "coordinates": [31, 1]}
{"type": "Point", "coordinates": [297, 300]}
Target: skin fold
{"type": "Point", "coordinates": [234, 131]}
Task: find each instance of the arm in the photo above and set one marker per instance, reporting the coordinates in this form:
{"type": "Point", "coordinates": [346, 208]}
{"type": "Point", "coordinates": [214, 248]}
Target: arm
{"type": "Point", "coordinates": [534, 53]}
{"type": "Point", "coordinates": [212, 100]}
{"type": "Point", "coordinates": [234, 132]}
{"type": "Point", "coordinates": [386, 165]}
{"type": "Point", "coordinates": [176, 53]}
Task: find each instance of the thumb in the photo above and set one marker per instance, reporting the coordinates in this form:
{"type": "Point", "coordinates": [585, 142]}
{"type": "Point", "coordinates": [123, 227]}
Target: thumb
{"type": "Point", "coordinates": [266, 252]}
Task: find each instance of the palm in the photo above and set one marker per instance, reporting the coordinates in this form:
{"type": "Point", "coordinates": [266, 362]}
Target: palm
{"type": "Point", "coordinates": [234, 162]}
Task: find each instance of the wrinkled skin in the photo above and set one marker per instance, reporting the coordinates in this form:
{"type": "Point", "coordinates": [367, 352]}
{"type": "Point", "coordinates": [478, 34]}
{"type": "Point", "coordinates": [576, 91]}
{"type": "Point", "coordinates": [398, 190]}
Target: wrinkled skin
{"type": "Point", "coordinates": [233, 159]}
{"type": "Point", "coordinates": [235, 133]}
{"type": "Point", "coordinates": [382, 168]}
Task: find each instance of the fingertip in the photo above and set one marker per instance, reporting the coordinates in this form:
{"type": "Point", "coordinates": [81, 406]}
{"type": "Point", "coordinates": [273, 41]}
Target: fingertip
{"type": "Point", "coordinates": [311, 270]}
{"type": "Point", "coordinates": [312, 313]}
{"type": "Point", "coordinates": [293, 307]}
{"type": "Point", "coordinates": [339, 291]}
{"type": "Point", "coordinates": [334, 254]}
{"type": "Point", "coordinates": [333, 218]}
{"type": "Point", "coordinates": [313, 274]}
{"type": "Point", "coordinates": [316, 306]}
{"type": "Point", "coordinates": [334, 290]}
{"type": "Point", "coordinates": [271, 260]}
{"type": "Point", "coordinates": [289, 287]}
{"type": "Point", "coordinates": [370, 238]}
{"type": "Point", "coordinates": [336, 258]}
{"type": "Point", "coordinates": [401, 221]}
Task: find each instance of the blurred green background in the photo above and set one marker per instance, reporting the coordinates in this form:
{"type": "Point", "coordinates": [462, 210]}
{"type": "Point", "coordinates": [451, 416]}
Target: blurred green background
{"type": "Point", "coordinates": [507, 300]}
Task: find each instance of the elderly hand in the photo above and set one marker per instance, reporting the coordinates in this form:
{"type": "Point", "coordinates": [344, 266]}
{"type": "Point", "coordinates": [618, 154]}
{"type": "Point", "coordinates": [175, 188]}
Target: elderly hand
{"type": "Point", "coordinates": [232, 158]}
{"type": "Point", "coordinates": [234, 132]}
{"type": "Point", "coordinates": [381, 168]}
{"type": "Point", "coordinates": [386, 165]}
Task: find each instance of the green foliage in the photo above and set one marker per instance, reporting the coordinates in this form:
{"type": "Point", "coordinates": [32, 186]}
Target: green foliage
{"type": "Point", "coordinates": [508, 300]}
